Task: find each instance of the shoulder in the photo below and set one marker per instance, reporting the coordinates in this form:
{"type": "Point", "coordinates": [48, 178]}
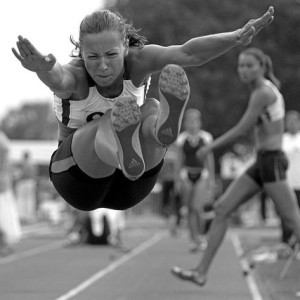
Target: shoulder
{"type": "Point", "coordinates": [79, 80]}
{"type": "Point", "coordinates": [206, 136]}
{"type": "Point", "coordinates": [146, 58]}
{"type": "Point", "coordinates": [181, 138]}
{"type": "Point", "coordinates": [263, 95]}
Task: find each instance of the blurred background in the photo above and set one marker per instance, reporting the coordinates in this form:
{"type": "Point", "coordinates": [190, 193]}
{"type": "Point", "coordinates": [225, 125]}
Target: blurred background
{"type": "Point", "coordinates": [36, 216]}
{"type": "Point", "coordinates": [27, 115]}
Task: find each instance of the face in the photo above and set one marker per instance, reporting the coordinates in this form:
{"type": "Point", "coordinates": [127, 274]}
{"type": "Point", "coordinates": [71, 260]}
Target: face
{"type": "Point", "coordinates": [192, 122]}
{"type": "Point", "coordinates": [103, 54]}
{"type": "Point", "coordinates": [249, 68]}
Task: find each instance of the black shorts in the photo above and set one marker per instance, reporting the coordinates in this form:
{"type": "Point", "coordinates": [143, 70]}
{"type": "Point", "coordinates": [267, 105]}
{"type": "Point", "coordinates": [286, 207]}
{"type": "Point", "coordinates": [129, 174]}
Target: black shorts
{"type": "Point", "coordinates": [86, 193]}
{"type": "Point", "coordinates": [270, 166]}
{"type": "Point", "coordinates": [194, 176]}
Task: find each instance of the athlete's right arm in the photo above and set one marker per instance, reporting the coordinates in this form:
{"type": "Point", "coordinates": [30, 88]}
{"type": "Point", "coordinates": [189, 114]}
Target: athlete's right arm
{"type": "Point", "coordinates": [60, 79]}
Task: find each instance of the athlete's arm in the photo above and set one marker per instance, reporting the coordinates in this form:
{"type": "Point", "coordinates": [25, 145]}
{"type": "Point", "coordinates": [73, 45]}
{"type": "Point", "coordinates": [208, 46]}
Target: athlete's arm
{"type": "Point", "coordinates": [199, 50]}
{"type": "Point", "coordinates": [258, 101]}
{"type": "Point", "coordinates": [60, 79]}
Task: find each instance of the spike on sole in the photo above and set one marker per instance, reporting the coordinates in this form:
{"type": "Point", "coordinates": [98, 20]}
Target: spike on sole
{"type": "Point", "coordinates": [174, 92]}
{"type": "Point", "coordinates": [126, 122]}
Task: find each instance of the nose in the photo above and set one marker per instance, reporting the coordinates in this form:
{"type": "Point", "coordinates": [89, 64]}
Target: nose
{"type": "Point", "coordinates": [103, 64]}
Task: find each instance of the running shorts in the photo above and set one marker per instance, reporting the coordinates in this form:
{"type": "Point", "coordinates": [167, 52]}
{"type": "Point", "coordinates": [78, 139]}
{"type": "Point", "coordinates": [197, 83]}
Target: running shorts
{"type": "Point", "coordinates": [86, 193]}
{"type": "Point", "coordinates": [270, 166]}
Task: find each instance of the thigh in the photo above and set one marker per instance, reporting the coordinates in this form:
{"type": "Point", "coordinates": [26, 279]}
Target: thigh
{"type": "Point", "coordinates": [284, 198]}
{"type": "Point", "coordinates": [81, 191]}
{"type": "Point", "coordinates": [94, 149]}
{"type": "Point", "coordinates": [126, 193]}
{"type": "Point", "coordinates": [238, 192]}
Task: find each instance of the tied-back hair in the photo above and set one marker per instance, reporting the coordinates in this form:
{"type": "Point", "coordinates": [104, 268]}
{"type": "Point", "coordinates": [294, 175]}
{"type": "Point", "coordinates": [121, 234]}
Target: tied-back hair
{"type": "Point", "coordinates": [266, 62]}
{"type": "Point", "coordinates": [102, 20]}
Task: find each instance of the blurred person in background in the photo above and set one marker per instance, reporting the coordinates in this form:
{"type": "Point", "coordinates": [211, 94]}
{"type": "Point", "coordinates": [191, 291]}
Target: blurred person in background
{"type": "Point", "coordinates": [101, 226]}
{"type": "Point", "coordinates": [112, 140]}
{"type": "Point", "coordinates": [170, 194]}
{"type": "Point", "coordinates": [198, 176]}
{"type": "Point", "coordinates": [26, 189]}
{"type": "Point", "coordinates": [265, 115]}
{"type": "Point", "coordinates": [10, 228]}
{"type": "Point", "coordinates": [291, 146]}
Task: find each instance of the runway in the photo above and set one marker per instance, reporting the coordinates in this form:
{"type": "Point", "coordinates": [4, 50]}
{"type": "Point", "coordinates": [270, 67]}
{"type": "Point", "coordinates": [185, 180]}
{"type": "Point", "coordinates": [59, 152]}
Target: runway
{"type": "Point", "coordinates": [44, 267]}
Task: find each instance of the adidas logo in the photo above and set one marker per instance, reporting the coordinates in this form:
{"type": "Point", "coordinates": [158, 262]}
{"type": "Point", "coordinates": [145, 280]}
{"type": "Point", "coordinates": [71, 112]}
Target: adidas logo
{"type": "Point", "coordinates": [167, 131]}
{"type": "Point", "coordinates": [133, 164]}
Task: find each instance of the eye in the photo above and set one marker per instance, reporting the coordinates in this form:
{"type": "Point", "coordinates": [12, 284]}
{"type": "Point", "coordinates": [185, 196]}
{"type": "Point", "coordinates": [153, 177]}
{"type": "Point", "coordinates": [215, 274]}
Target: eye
{"type": "Point", "coordinates": [112, 54]}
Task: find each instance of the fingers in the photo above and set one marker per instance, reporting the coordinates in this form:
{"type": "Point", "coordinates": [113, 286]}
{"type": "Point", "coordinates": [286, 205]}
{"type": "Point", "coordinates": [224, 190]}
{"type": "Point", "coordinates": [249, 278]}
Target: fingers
{"type": "Point", "coordinates": [265, 20]}
{"type": "Point", "coordinates": [23, 46]}
{"type": "Point", "coordinates": [29, 46]}
{"type": "Point", "coordinates": [16, 54]}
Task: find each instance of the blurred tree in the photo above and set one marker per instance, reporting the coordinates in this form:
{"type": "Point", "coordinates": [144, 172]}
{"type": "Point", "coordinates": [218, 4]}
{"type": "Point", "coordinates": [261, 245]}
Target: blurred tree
{"type": "Point", "coordinates": [33, 121]}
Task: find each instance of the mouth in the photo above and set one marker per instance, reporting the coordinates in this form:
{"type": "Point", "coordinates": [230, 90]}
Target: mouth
{"type": "Point", "coordinates": [103, 76]}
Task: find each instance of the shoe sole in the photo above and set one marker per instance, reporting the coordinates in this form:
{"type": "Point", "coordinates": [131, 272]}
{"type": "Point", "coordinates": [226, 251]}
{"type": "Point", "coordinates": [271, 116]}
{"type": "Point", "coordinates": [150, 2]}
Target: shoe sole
{"type": "Point", "coordinates": [174, 91]}
{"type": "Point", "coordinates": [179, 273]}
{"type": "Point", "coordinates": [126, 122]}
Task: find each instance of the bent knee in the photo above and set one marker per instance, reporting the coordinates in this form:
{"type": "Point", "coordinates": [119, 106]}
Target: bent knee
{"type": "Point", "coordinates": [150, 107]}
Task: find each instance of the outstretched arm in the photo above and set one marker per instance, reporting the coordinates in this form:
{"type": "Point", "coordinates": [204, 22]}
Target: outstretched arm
{"type": "Point", "coordinates": [199, 50]}
{"type": "Point", "coordinates": [60, 79]}
{"type": "Point", "coordinates": [257, 102]}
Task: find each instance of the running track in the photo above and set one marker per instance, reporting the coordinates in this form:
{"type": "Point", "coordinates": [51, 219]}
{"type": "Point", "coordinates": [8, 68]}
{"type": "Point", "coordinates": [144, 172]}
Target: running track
{"type": "Point", "coordinates": [44, 268]}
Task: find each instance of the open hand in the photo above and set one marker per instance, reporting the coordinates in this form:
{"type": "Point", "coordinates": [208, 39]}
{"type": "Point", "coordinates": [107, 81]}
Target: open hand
{"type": "Point", "coordinates": [254, 26]}
{"type": "Point", "coordinates": [31, 58]}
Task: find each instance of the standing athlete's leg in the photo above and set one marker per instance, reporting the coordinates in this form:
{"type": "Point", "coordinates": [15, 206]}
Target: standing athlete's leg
{"type": "Point", "coordinates": [237, 193]}
{"type": "Point", "coordinates": [285, 201]}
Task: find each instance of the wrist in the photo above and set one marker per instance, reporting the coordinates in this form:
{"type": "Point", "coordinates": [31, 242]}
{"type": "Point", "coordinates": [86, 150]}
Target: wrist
{"type": "Point", "coordinates": [237, 36]}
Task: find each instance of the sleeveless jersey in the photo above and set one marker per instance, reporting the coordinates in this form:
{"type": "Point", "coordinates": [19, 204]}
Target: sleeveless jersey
{"type": "Point", "coordinates": [73, 114]}
{"type": "Point", "coordinates": [190, 146]}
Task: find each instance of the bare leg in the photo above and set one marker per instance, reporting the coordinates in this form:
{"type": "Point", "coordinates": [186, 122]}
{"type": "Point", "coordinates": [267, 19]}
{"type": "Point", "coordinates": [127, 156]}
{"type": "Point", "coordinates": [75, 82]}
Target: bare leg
{"type": "Point", "coordinates": [237, 193]}
{"type": "Point", "coordinates": [95, 156]}
{"type": "Point", "coordinates": [285, 201]}
{"type": "Point", "coordinates": [193, 216]}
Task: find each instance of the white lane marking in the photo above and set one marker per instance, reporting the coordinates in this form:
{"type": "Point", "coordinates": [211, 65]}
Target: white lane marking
{"type": "Point", "coordinates": [253, 288]}
{"type": "Point", "coordinates": [31, 252]}
{"type": "Point", "coordinates": [85, 284]}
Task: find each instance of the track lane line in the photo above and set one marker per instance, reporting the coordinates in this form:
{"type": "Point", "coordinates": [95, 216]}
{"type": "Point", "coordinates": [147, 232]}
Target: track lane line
{"type": "Point", "coordinates": [91, 280]}
{"type": "Point", "coordinates": [252, 285]}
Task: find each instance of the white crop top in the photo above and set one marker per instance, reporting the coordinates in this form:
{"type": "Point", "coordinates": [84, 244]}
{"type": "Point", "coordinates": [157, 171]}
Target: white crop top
{"type": "Point", "coordinates": [276, 110]}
